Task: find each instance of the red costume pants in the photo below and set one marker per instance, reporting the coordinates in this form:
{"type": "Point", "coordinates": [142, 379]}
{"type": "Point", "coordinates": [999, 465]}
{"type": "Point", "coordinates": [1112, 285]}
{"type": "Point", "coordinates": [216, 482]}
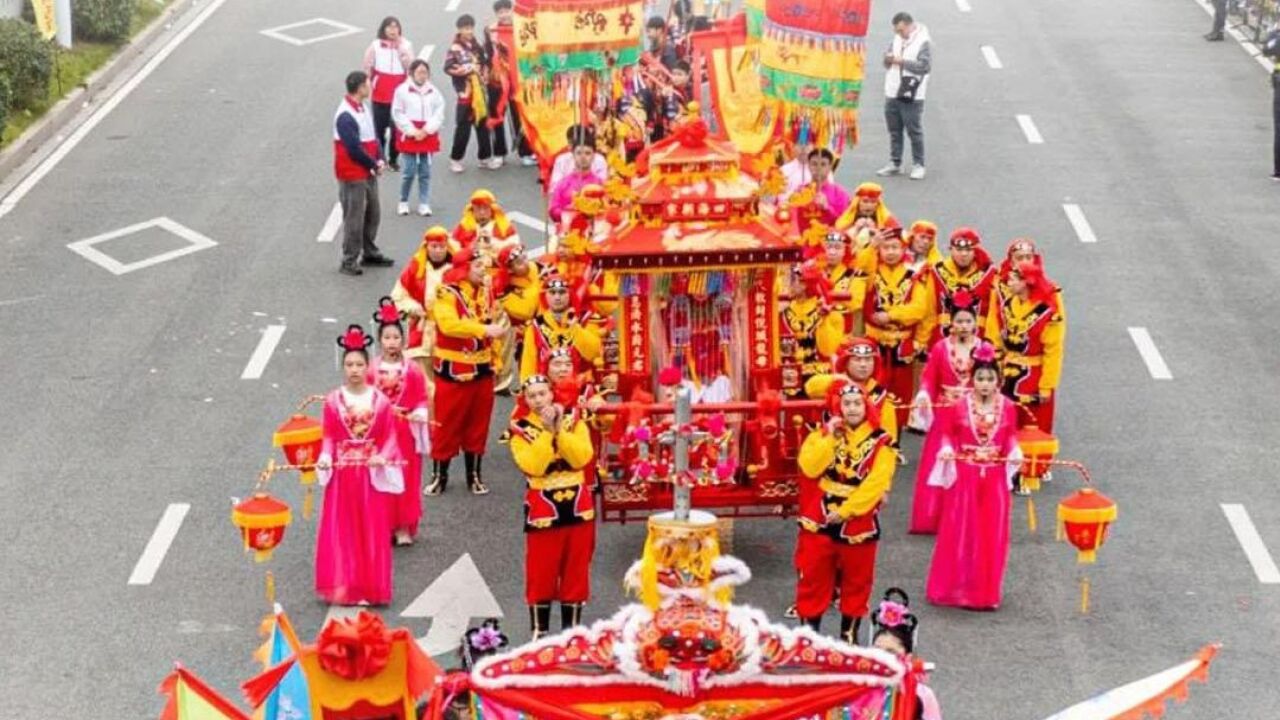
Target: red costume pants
{"type": "Point", "coordinates": [900, 381]}
{"type": "Point", "coordinates": [462, 412]}
{"type": "Point", "coordinates": [819, 559]}
{"type": "Point", "coordinates": [557, 563]}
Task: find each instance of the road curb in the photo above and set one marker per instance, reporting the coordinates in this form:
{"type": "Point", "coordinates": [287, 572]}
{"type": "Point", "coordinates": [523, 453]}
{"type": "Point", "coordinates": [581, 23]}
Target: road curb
{"type": "Point", "coordinates": [35, 143]}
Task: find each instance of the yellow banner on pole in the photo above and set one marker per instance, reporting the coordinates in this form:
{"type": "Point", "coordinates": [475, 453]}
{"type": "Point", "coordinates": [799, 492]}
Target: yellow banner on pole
{"type": "Point", "coordinates": [45, 22]}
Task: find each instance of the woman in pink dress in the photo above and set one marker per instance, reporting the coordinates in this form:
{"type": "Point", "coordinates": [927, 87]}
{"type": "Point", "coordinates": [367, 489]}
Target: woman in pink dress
{"type": "Point", "coordinates": [405, 385]}
{"type": "Point", "coordinates": [944, 381]}
{"type": "Point", "coordinates": [359, 469]}
{"type": "Point", "coordinates": [975, 466]}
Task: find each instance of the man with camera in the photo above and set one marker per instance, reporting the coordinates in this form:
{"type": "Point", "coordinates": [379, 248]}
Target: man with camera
{"type": "Point", "coordinates": [907, 65]}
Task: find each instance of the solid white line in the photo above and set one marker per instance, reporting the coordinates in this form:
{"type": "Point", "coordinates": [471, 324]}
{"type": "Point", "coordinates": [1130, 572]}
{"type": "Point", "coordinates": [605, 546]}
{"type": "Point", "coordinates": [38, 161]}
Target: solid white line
{"type": "Point", "coordinates": [262, 354]}
{"type": "Point", "coordinates": [1150, 354]}
{"type": "Point", "coordinates": [12, 199]}
{"type": "Point", "coordinates": [1079, 223]}
{"type": "Point", "coordinates": [1254, 51]}
{"type": "Point", "coordinates": [1263, 566]}
{"type": "Point", "coordinates": [425, 52]}
{"type": "Point", "coordinates": [527, 220]}
{"type": "Point", "coordinates": [1029, 129]}
{"type": "Point", "coordinates": [993, 60]}
{"type": "Point", "coordinates": [452, 6]}
{"type": "Point", "coordinates": [145, 571]}
{"type": "Point", "coordinates": [331, 224]}
{"type": "Point", "coordinates": [963, 5]}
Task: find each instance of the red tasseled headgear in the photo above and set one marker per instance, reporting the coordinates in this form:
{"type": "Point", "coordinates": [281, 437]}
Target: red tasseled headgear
{"type": "Point", "coordinates": [967, 237]}
{"type": "Point", "coordinates": [1039, 289]}
{"type": "Point", "coordinates": [461, 265]}
{"type": "Point", "coordinates": [1019, 243]}
{"type": "Point", "coordinates": [892, 227]}
{"type": "Point", "coordinates": [815, 281]}
{"type": "Point", "coordinates": [842, 387]}
{"type": "Point", "coordinates": [857, 346]}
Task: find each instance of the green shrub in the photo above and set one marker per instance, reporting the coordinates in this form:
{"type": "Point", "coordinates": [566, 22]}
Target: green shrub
{"type": "Point", "coordinates": [4, 103]}
{"type": "Point", "coordinates": [101, 20]}
{"type": "Point", "coordinates": [26, 60]}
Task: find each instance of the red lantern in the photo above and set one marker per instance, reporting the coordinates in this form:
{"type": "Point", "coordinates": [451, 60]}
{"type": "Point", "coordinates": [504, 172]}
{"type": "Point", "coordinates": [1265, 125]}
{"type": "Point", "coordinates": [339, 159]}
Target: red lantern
{"type": "Point", "coordinates": [1085, 516]}
{"type": "Point", "coordinates": [1038, 450]}
{"type": "Point", "coordinates": [301, 437]}
{"type": "Point", "coordinates": [262, 520]}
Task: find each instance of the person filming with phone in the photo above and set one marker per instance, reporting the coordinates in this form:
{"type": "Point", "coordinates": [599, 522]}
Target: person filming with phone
{"type": "Point", "coordinates": [907, 66]}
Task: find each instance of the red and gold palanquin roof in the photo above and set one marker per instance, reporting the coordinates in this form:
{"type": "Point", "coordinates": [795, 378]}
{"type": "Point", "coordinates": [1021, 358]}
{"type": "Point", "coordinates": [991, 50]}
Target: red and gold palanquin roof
{"type": "Point", "coordinates": [673, 247]}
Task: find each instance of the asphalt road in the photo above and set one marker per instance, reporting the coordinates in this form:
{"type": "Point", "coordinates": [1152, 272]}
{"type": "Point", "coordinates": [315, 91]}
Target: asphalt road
{"type": "Point", "coordinates": [124, 393]}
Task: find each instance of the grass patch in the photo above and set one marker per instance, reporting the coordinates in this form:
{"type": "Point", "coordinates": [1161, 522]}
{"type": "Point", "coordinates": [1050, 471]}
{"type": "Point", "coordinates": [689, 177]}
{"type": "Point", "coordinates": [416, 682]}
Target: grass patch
{"type": "Point", "coordinates": [73, 68]}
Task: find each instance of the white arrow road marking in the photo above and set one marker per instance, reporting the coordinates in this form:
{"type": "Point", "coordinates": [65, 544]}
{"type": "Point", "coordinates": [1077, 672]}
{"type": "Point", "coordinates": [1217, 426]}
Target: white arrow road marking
{"type": "Point", "coordinates": [342, 612]}
{"type": "Point", "coordinates": [993, 60]}
{"type": "Point", "coordinates": [331, 224]}
{"type": "Point", "coordinates": [1030, 130]}
{"type": "Point", "coordinates": [1150, 354]}
{"type": "Point", "coordinates": [1259, 557]}
{"type": "Point", "coordinates": [262, 354]}
{"type": "Point", "coordinates": [1079, 223]}
{"type": "Point", "coordinates": [451, 600]}
{"type": "Point", "coordinates": [158, 546]}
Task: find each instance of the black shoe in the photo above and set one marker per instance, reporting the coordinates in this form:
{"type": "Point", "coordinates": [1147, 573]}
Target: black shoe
{"type": "Point", "coordinates": [815, 623]}
{"type": "Point", "coordinates": [351, 270]}
{"type": "Point", "coordinates": [439, 478]}
{"type": "Point", "coordinates": [539, 620]}
{"type": "Point", "coordinates": [570, 615]}
{"type": "Point", "coordinates": [378, 260]}
{"type": "Point", "coordinates": [394, 166]}
{"type": "Point", "coordinates": [474, 482]}
{"type": "Point", "coordinates": [1215, 37]}
{"type": "Point", "coordinates": [849, 627]}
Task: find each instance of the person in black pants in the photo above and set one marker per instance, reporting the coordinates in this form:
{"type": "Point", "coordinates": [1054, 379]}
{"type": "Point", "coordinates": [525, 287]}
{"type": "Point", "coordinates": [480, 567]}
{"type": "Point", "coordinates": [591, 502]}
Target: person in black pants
{"type": "Point", "coordinates": [466, 64]}
{"type": "Point", "coordinates": [1275, 121]}
{"type": "Point", "coordinates": [1219, 21]}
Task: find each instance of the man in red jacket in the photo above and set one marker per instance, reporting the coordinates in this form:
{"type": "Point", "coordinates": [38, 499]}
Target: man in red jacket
{"type": "Point", "coordinates": [357, 163]}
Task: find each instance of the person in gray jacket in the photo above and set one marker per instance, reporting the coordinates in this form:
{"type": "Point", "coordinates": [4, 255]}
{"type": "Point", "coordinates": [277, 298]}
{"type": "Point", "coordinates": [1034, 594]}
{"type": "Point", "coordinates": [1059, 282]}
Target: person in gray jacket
{"type": "Point", "coordinates": [907, 66]}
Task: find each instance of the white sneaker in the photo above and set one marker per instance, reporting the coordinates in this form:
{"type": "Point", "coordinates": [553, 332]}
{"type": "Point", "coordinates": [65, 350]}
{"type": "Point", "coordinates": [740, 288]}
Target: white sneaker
{"type": "Point", "coordinates": [402, 208]}
{"type": "Point", "coordinates": [424, 210]}
{"type": "Point", "coordinates": [456, 166]}
{"type": "Point", "coordinates": [492, 163]}
{"type": "Point", "coordinates": [528, 161]}
{"type": "Point", "coordinates": [917, 172]}
{"type": "Point", "coordinates": [889, 169]}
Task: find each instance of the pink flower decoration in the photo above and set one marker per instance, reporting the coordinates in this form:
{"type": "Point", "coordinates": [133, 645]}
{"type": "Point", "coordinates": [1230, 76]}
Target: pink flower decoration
{"type": "Point", "coordinates": [891, 614]}
{"type": "Point", "coordinates": [641, 434]}
{"type": "Point", "coordinates": [725, 469]}
{"type": "Point", "coordinates": [644, 470]}
{"type": "Point", "coordinates": [715, 425]}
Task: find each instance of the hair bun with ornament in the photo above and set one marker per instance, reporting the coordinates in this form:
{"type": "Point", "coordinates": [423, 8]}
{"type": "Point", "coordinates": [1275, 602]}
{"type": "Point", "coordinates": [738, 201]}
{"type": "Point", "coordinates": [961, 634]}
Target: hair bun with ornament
{"type": "Point", "coordinates": [481, 642]}
{"type": "Point", "coordinates": [985, 352]}
{"type": "Point", "coordinates": [387, 314]}
{"type": "Point", "coordinates": [962, 299]}
{"type": "Point", "coordinates": [355, 340]}
{"type": "Point", "coordinates": [894, 616]}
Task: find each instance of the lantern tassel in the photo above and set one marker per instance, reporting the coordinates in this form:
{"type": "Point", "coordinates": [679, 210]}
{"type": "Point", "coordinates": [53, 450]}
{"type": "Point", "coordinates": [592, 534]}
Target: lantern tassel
{"type": "Point", "coordinates": [1084, 595]}
{"type": "Point", "coordinates": [1032, 521]}
{"type": "Point", "coordinates": [308, 502]}
{"type": "Point", "coordinates": [271, 588]}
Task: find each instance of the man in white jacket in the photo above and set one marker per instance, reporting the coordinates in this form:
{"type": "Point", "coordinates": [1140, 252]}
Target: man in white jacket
{"type": "Point", "coordinates": [907, 66]}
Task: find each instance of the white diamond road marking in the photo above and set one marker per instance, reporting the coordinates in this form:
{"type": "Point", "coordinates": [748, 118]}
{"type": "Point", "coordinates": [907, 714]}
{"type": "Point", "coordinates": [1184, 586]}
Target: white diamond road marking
{"type": "Point", "coordinates": [195, 243]}
{"type": "Point", "coordinates": [340, 29]}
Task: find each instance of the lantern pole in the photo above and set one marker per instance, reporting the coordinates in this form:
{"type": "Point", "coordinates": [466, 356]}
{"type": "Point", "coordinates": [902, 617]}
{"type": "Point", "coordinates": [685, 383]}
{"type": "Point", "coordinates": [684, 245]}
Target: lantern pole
{"type": "Point", "coordinates": [683, 494]}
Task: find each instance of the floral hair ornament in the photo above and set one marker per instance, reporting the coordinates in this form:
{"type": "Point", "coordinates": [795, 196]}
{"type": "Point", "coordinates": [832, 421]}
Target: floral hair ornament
{"type": "Point", "coordinates": [481, 642]}
{"type": "Point", "coordinates": [387, 313]}
{"type": "Point", "coordinates": [985, 352]}
{"type": "Point", "coordinates": [353, 340]}
{"type": "Point", "coordinates": [894, 616]}
{"type": "Point", "coordinates": [964, 300]}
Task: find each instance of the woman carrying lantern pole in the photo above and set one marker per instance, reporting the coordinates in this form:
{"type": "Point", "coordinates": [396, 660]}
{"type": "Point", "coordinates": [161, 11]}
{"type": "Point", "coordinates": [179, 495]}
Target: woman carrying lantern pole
{"type": "Point", "coordinates": [359, 469]}
{"type": "Point", "coordinates": [405, 385]}
{"type": "Point", "coordinates": [976, 462]}
{"type": "Point", "coordinates": [946, 379]}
